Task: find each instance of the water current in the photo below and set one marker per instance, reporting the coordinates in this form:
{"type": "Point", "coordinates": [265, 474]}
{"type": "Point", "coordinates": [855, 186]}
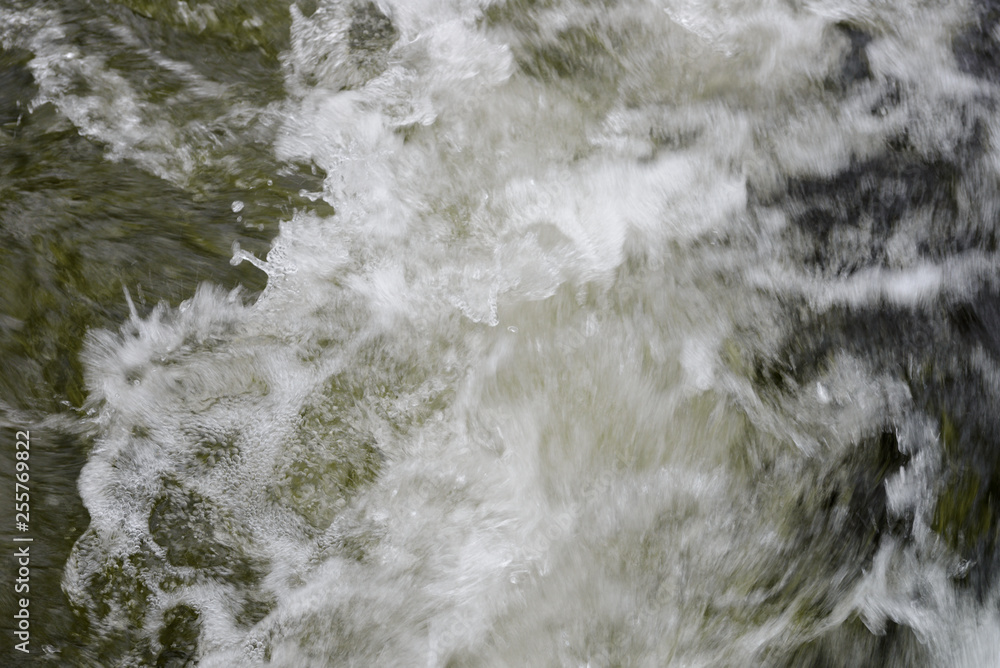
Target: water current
{"type": "Point", "coordinates": [502, 333]}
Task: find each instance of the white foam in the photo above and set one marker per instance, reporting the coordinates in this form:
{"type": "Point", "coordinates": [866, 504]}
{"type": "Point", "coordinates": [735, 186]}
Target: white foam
{"type": "Point", "coordinates": [525, 314]}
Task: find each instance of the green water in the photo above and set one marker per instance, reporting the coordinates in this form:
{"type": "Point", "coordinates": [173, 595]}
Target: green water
{"type": "Point", "coordinates": [77, 230]}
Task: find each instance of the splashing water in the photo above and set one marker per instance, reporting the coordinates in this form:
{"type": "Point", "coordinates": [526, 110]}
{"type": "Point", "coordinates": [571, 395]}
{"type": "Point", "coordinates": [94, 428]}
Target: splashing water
{"type": "Point", "coordinates": [633, 333]}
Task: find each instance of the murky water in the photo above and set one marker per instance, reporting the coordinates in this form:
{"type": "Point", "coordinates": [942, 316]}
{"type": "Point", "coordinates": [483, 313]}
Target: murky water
{"type": "Point", "coordinates": [569, 333]}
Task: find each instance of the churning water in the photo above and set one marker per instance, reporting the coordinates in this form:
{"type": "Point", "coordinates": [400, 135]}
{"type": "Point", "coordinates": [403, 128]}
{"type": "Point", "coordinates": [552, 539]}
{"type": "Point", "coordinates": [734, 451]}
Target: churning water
{"type": "Point", "coordinates": [636, 333]}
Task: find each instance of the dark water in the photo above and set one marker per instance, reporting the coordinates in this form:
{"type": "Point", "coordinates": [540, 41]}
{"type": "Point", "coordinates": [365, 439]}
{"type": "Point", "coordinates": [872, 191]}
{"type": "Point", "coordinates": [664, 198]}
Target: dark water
{"type": "Point", "coordinates": [510, 333]}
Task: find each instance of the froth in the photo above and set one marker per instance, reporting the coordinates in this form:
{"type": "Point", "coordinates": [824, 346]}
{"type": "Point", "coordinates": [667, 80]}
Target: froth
{"type": "Point", "coordinates": [512, 400]}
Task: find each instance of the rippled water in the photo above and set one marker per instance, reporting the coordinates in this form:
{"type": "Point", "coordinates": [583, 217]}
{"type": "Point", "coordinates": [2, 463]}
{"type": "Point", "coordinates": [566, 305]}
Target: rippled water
{"type": "Point", "coordinates": [639, 333]}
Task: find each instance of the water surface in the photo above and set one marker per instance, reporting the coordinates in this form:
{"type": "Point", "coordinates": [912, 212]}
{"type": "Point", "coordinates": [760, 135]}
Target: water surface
{"type": "Point", "coordinates": [504, 333]}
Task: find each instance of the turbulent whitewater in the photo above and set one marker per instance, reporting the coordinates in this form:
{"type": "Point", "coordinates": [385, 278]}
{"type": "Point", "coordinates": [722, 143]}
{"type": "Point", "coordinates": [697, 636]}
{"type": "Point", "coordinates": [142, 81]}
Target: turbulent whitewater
{"type": "Point", "coordinates": [638, 333]}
